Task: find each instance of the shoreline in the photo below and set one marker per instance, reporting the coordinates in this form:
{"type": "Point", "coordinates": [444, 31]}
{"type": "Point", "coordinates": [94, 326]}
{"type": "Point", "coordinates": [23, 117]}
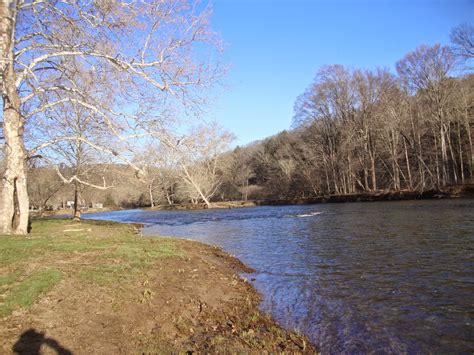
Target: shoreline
{"type": "Point", "coordinates": [454, 192]}
{"type": "Point", "coordinates": [140, 294]}
{"type": "Point", "coordinates": [450, 192]}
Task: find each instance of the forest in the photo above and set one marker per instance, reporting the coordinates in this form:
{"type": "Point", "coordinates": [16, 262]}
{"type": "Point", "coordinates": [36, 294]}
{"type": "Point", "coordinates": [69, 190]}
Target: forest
{"type": "Point", "coordinates": [354, 131]}
{"type": "Point", "coordinates": [104, 126]}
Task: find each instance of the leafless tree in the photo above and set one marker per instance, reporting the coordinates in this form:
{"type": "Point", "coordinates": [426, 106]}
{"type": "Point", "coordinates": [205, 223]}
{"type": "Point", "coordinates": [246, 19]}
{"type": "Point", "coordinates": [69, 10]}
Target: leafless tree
{"type": "Point", "coordinates": [241, 171]}
{"type": "Point", "coordinates": [426, 72]}
{"type": "Point", "coordinates": [370, 130]}
{"type": "Point", "coordinates": [43, 185]}
{"type": "Point", "coordinates": [158, 172]}
{"type": "Point", "coordinates": [143, 52]}
{"type": "Point", "coordinates": [462, 38]}
{"type": "Point", "coordinates": [73, 129]}
{"type": "Point", "coordinates": [199, 158]}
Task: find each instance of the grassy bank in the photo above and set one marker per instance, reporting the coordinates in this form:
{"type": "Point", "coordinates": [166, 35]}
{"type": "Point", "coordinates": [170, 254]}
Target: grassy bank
{"type": "Point", "coordinates": [97, 287]}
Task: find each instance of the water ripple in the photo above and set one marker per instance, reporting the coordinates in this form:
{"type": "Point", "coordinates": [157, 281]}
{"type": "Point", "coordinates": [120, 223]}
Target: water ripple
{"type": "Point", "coordinates": [393, 277]}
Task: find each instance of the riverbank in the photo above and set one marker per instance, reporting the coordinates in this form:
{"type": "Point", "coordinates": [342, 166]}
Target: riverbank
{"type": "Point", "coordinates": [448, 192]}
{"type": "Point", "coordinates": [68, 212]}
{"type": "Point", "coordinates": [98, 287]}
{"type": "Point", "coordinates": [458, 191]}
{"type": "Point", "coordinates": [455, 191]}
{"type": "Point", "coordinates": [201, 206]}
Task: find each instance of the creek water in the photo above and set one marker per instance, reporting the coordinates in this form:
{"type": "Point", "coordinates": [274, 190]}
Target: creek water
{"type": "Point", "coordinates": [384, 277]}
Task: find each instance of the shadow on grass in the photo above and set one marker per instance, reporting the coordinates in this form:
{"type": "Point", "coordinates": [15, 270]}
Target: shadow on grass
{"type": "Point", "coordinates": [31, 341]}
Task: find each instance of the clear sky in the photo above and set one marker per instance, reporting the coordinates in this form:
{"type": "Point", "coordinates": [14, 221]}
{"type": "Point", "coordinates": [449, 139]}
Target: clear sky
{"type": "Point", "coordinates": [275, 48]}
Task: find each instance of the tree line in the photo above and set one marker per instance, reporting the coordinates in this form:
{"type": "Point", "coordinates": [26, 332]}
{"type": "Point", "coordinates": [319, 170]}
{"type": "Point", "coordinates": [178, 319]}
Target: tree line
{"type": "Point", "coordinates": [364, 131]}
{"type": "Point", "coordinates": [100, 101]}
{"type": "Point", "coordinates": [85, 83]}
{"type": "Point", "coordinates": [354, 131]}
{"type": "Point", "coordinates": [368, 131]}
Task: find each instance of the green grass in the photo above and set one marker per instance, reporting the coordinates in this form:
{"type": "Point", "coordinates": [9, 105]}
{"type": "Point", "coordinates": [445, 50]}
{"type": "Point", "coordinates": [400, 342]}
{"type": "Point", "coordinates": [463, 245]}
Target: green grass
{"type": "Point", "coordinates": [106, 274]}
{"type": "Point", "coordinates": [15, 249]}
{"type": "Point", "coordinates": [8, 279]}
{"type": "Point", "coordinates": [124, 261]}
{"type": "Point", "coordinates": [89, 251]}
{"type": "Point", "coordinates": [25, 293]}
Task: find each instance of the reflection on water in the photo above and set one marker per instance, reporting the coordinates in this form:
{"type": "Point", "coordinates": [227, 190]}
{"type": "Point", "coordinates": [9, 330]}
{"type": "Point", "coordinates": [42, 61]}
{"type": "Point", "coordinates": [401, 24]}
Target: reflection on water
{"type": "Point", "coordinates": [390, 277]}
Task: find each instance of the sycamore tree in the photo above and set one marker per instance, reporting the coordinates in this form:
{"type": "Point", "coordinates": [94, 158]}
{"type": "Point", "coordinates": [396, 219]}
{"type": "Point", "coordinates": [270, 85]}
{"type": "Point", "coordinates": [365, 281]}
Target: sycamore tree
{"type": "Point", "coordinates": [196, 158]}
{"type": "Point", "coordinates": [200, 159]}
{"type": "Point", "coordinates": [141, 54]}
{"type": "Point", "coordinates": [158, 172]}
{"type": "Point", "coordinates": [82, 164]}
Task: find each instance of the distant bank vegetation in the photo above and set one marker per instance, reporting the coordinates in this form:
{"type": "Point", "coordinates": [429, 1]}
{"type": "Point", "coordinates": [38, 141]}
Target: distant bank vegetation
{"type": "Point", "coordinates": [354, 131]}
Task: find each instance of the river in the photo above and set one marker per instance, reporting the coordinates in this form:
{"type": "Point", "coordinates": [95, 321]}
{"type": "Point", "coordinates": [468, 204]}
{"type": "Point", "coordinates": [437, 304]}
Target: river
{"type": "Point", "coordinates": [385, 277]}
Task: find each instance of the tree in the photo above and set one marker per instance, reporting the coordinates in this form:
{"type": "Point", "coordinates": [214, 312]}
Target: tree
{"type": "Point", "coordinates": [144, 54]}
{"type": "Point", "coordinates": [327, 108]}
{"type": "Point", "coordinates": [158, 172]}
{"type": "Point", "coordinates": [43, 184]}
{"type": "Point", "coordinates": [73, 129]}
{"type": "Point", "coordinates": [240, 171]}
{"type": "Point", "coordinates": [426, 72]}
{"type": "Point", "coordinates": [370, 130]}
{"type": "Point", "coordinates": [199, 158]}
{"type": "Point", "coordinates": [462, 38]}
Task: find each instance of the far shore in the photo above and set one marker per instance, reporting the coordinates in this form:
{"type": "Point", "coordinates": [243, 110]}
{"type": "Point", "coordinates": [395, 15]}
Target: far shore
{"type": "Point", "coordinates": [449, 192]}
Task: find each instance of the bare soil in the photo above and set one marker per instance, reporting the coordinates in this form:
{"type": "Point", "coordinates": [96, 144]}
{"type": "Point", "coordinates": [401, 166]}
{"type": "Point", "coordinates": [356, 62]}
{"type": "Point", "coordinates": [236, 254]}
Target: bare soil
{"type": "Point", "coordinates": [195, 302]}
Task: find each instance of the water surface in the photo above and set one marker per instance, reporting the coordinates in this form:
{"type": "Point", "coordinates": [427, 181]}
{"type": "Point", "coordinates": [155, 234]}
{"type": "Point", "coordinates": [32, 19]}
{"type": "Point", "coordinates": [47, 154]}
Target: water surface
{"type": "Point", "coordinates": [385, 277]}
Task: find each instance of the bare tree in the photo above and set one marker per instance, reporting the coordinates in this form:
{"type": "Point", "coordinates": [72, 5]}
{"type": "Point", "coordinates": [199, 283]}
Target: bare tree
{"type": "Point", "coordinates": [426, 71]}
{"type": "Point", "coordinates": [241, 171]}
{"type": "Point", "coordinates": [199, 158]}
{"type": "Point", "coordinates": [43, 185]}
{"type": "Point", "coordinates": [158, 171]}
{"type": "Point", "coordinates": [79, 159]}
{"type": "Point", "coordinates": [368, 130]}
{"type": "Point", "coordinates": [141, 51]}
{"type": "Point", "coordinates": [327, 106]}
{"type": "Point", "coordinates": [462, 38]}
{"type": "Point", "coordinates": [146, 161]}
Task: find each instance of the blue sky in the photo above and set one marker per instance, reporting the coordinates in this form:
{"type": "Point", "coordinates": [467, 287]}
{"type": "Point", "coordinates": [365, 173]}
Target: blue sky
{"type": "Point", "coordinates": [275, 48]}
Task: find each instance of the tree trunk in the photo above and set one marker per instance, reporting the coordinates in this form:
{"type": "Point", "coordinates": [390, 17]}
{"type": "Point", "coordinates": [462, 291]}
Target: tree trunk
{"type": "Point", "coordinates": [373, 172]}
{"type": "Point", "coordinates": [246, 195]}
{"type": "Point", "coordinates": [467, 125]}
{"type": "Point", "coordinates": [328, 186]}
{"type": "Point", "coordinates": [407, 160]}
{"type": "Point", "coordinates": [461, 155]}
{"type": "Point", "coordinates": [438, 179]}
{"type": "Point", "coordinates": [150, 193]}
{"type": "Point", "coordinates": [168, 198]}
{"type": "Point", "coordinates": [192, 182]}
{"type": "Point", "coordinates": [454, 163]}
{"type": "Point", "coordinates": [77, 212]}
{"type": "Point", "coordinates": [366, 178]}
{"type": "Point", "coordinates": [15, 197]}
{"type": "Point", "coordinates": [444, 155]}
